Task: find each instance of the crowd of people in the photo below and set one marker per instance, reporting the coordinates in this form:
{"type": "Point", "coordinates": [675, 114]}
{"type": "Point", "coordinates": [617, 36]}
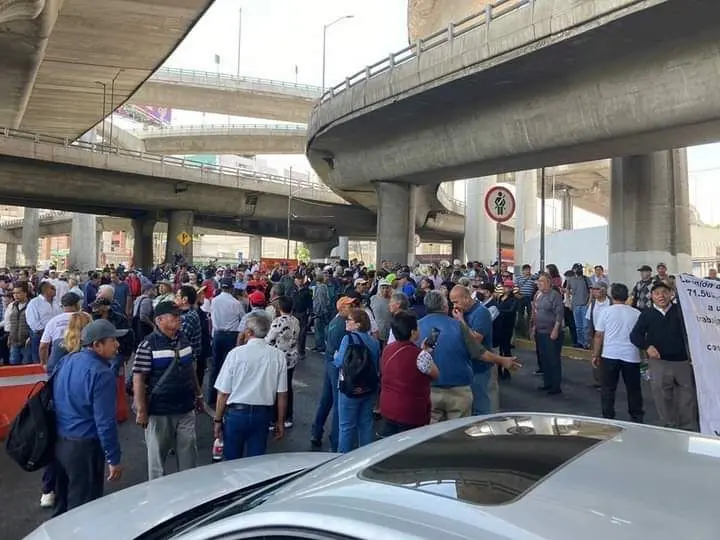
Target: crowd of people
{"type": "Point", "coordinates": [403, 345]}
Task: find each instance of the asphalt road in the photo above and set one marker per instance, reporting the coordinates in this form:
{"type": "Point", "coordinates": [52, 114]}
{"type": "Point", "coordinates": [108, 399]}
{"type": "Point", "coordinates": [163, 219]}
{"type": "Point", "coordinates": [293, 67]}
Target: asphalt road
{"type": "Point", "coordinates": [20, 511]}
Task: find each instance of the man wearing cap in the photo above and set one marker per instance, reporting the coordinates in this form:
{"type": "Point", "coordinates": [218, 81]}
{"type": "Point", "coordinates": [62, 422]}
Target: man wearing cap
{"type": "Point", "coordinates": [599, 301]}
{"type": "Point", "coordinates": [55, 328]}
{"type": "Point", "coordinates": [225, 314]}
{"type": "Point", "coordinates": [640, 297]}
{"type": "Point", "coordinates": [302, 308]}
{"type": "Point", "coordinates": [102, 308]}
{"type": "Point", "coordinates": [257, 305]}
{"type": "Point", "coordinates": [660, 332]}
{"type": "Point", "coordinates": [167, 392]}
{"type": "Point", "coordinates": [38, 313]}
{"type": "Point", "coordinates": [380, 306]}
{"type": "Point", "coordinates": [84, 393]}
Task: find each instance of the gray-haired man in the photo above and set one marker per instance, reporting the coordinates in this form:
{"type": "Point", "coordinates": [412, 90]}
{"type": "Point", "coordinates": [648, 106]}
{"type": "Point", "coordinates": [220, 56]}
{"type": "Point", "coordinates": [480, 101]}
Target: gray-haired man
{"type": "Point", "coordinates": [252, 377]}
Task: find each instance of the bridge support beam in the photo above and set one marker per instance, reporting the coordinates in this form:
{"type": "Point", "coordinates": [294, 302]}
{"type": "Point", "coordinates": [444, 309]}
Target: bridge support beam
{"type": "Point", "coordinates": [526, 220]}
{"type": "Point", "coordinates": [480, 231]}
{"type": "Point", "coordinates": [649, 214]}
{"type": "Point", "coordinates": [320, 250]}
{"type": "Point", "coordinates": [143, 228]}
{"type": "Point", "coordinates": [179, 222]}
{"type": "Point", "coordinates": [30, 235]}
{"type": "Point", "coordinates": [11, 253]}
{"type": "Point", "coordinates": [83, 245]}
{"type": "Point", "coordinates": [344, 247]}
{"type": "Point", "coordinates": [255, 249]}
{"type": "Point", "coordinates": [566, 204]}
{"type": "Point", "coordinates": [396, 222]}
{"type": "Point", "coordinates": [458, 249]}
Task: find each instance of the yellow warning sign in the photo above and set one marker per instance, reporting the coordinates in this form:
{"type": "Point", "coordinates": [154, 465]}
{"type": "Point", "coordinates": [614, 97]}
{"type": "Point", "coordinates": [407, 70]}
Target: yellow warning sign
{"type": "Point", "coordinates": [184, 238]}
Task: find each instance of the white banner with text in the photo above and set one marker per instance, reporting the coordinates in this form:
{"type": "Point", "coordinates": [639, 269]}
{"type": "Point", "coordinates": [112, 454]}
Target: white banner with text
{"type": "Point", "coordinates": [700, 302]}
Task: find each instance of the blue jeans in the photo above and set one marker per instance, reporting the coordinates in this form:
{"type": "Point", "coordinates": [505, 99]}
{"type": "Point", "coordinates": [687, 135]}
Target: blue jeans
{"type": "Point", "coordinates": [35, 347]}
{"type": "Point", "coordinates": [325, 407]}
{"type": "Point", "coordinates": [321, 322]}
{"type": "Point", "coordinates": [222, 344]}
{"type": "Point", "coordinates": [550, 359]}
{"type": "Point", "coordinates": [245, 432]}
{"type": "Point", "coordinates": [19, 355]}
{"type": "Point", "coordinates": [579, 313]}
{"type": "Point", "coordinates": [355, 418]}
{"type": "Point", "coordinates": [481, 400]}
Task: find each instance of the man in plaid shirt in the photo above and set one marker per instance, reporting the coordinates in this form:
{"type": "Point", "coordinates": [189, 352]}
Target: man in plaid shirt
{"type": "Point", "coordinates": [185, 300]}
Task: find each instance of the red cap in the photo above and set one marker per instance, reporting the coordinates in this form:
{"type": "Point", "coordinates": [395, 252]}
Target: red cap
{"type": "Point", "coordinates": [256, 298]}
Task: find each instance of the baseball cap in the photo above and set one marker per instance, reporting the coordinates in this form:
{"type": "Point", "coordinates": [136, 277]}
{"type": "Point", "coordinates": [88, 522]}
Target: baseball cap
{"type": "Point", "coordinates": [384, 283]}
{"type": "Point", "coordinates": [99, 302]}
{"type": "Point", "coordinates": [659, 285]}
{"type": "Point", "coordinates": [98, 330]}
{"type": "Point", "coordinates": [360, 281]}
{"type": "Point", "coordinates": [344, 301]}
{"type": "Point", "coordinates": [661, 264]}
{"type": "Point", "coordinates": [599, 284]}
{"type": "Point", "coordinates": [167, 308]}
{"type": "Point", "coordinates": [256, 298]}
{"type": "Point", "coordinates": [644, 268]}
{"type": "Point", "coordinates": [390, 277]}
{"type": "Point", "coordinates": [69, 299]}
{"type": "Point", "coordinates": [227, 283]}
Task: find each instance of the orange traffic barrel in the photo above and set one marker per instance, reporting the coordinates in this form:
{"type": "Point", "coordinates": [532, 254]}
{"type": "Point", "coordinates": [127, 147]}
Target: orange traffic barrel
{"type": "Point", "coordinates": [16, 385]}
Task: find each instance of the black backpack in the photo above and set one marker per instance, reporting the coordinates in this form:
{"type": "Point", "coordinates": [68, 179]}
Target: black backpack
{"type": "Point", "coordinates": [358, 375]}
{"type": "Point", "coordinates": [31, 441]}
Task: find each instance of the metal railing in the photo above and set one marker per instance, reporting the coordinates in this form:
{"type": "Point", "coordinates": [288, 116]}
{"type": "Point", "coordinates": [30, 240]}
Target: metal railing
{"type": "Point", "coordinates": [411, 52]}
{"type": "Point", "coordinates": [448, 201]}
{"type": "Point", "coordinates": [44, 215]}
{"type": "Point", "coordinates": [292, 183]}
{"type": "Point", "coordinates": [224, 79]}
{"type": "Point", "coordinates": [200, 129]}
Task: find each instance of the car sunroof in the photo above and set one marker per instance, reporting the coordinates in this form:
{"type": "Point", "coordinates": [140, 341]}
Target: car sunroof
{"type": "Point", "coordinates": [494, 461]}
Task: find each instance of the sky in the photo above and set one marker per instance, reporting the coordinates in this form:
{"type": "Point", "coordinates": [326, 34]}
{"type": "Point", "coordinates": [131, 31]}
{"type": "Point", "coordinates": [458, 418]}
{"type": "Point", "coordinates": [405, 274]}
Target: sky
{"type": "Point", "coordinates": [279, 35]}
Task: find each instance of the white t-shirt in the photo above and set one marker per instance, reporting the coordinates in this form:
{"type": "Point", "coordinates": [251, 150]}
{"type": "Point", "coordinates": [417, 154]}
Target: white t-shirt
{"type": "Point", "coordinates": [597, 309]}
{"type": "Point", "coordinates": [253, 374]}
{"type": "Point", "coordinates": [55, 328]}
{"type": "Point", "coordinates": [616, 322]}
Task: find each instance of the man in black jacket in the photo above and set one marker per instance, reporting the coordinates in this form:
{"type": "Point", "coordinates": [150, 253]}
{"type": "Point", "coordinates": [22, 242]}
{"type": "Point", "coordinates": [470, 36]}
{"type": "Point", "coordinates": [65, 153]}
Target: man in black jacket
{"type": "Point", "coordinates": [302, 308]}
{"type": "Point", "coordinates": [660, 331]}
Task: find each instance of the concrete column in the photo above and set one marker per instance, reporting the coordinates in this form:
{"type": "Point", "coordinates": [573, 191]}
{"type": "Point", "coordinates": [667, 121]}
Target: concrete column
{"type": "Point", "coordinates": [649, 214]}
{"type": "Point", "coordinates": [255, 250]}
{"type": "Point", "coordinates": [344, 247]}
{"type": "Point", "coordinates": [396, 222]}
{"type": "Point", "coordinates": [458, 249]}
{"type": "Point", "coordinates": [83, 246]}
{"type": "Point", "coordinates": [566, 205]}
{"type": "Point", "coordinates": [143, 228]}
{"type": "Point", "coordinates": [526, 218]}
{"type": "Point", "coordinates": [11, 253]}
{"type": "Point", "coordinates": [179, 222]}
{"type": "Point", "coordinates": [320, 250]}
{"type": "Point", "coordinates": [480, 231]}
{"type": "Point", "coordinates": [31, 235]}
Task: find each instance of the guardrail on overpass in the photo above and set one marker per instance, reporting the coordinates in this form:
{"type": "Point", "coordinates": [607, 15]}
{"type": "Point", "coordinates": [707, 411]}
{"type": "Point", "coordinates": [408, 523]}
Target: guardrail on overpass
{"type": "Point", "coordinates": [209, 78]}
{"type": "Point", "coordinates": [45, 215]}
{"type": "Point", "coordinates": [411, 52]}
{"type": "Point", "coordinates": [295, 184]}
{"type": "Point", "coordinates": [147, 132]}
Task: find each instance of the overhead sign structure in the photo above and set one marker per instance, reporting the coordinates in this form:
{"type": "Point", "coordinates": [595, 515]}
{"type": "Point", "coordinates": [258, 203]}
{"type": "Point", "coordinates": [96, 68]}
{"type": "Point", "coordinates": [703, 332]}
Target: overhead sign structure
{"type": "Point", "coordinates": [499, 204]}
{"type": "Point", "coordinates": [184, 238]}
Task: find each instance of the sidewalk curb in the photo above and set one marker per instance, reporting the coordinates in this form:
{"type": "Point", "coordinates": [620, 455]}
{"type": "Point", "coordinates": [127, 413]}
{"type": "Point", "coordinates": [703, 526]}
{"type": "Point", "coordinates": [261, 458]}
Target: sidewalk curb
{"type": "Point", "coordinates": [570, 353]}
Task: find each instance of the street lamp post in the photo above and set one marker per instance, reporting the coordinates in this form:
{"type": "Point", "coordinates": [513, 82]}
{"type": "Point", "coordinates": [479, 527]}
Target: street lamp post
{"type": "Point", "coordinates": [289, 216]}
{"type": "Point", "coordinates": [239, 41]}
{"type": "Point", "coordinates": [324, 42]}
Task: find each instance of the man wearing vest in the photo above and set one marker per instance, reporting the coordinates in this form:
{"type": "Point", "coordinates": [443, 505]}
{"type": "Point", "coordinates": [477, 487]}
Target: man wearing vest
{"type": "Point", "coordinates": [167, 392]}
{"type": "Point", "coordinates": [16, 326]}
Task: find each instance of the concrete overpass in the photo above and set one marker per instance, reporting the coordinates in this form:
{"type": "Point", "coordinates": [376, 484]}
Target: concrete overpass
{"type": "Point", "coordinates": [526, 85]}
{"type": "Point", "coordinates": [225, 94]}
{"type": "Point", "coordinates": [60, 57]}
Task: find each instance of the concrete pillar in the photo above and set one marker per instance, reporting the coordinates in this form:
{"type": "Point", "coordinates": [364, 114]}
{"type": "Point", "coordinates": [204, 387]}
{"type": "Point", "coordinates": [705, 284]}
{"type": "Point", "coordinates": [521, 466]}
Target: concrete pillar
{"type": "Point", "coordinates": [31, 235]}
{"type": "Point", "coordinates": [480, 231]}
{"type": "Point", "coordinates": [344, 247]}
{"type": "Point", "coordinates": [396, 222]}
{"type": "Point", "coordinates": [179, 222]}
{"type": "Point", "coordinates": [255, 250]}
{"type": "Point", "coordinates": [11, 253]}
{"type": "Point", "coordinates": [566, 206]}
{"type": "Point", "coordinates": [143, 228]}
{"type": "Point", "coordinates": [458, 249]}
{"type": "Point", "coordinates": [320, 250]}
{"type": "Point", "coordinates": [649, 214]}
{"type": "Point", "coordinates": [83, 246]}
{"type": "Point", "coordinates": [526, 218]}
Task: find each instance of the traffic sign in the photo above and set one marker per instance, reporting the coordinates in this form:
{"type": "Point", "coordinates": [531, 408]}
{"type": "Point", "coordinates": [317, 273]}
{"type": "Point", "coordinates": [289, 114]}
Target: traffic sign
{"type": "Point", "coordinates": [499, 204]}
{"type": "Point", "coordinates": [184, 238]}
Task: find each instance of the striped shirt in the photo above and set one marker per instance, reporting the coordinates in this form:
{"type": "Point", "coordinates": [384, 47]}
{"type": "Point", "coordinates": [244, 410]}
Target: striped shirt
{"type": "Point", "coordinates": [526, 285]}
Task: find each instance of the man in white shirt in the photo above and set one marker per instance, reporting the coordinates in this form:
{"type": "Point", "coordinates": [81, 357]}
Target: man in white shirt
{"type": "Point", "coordinates": [61, 287]}
{"type": "Point", "coordinates": [226, 311]}
{"type": "Point", "coordinates": [252, 377]}
{"type": "Point", "coordinates": [38, 314]}
{"type": "Point", "coordinates": [614, 354]}
{"type": "Point", "coordinates": [55, 328]}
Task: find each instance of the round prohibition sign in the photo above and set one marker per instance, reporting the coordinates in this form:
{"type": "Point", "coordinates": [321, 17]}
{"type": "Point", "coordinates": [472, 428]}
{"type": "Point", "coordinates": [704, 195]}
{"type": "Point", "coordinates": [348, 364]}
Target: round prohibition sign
{"type": "Point", "coordinates": [499, 204]}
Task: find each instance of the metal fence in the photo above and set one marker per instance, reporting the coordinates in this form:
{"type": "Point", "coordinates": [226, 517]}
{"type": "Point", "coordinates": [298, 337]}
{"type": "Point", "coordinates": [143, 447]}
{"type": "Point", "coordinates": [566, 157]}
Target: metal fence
{"type": "Point", "coordinates": [204, 129]}
{"type": "Point", "coordinates": [295, 184]}
{"type": "Point", "coordinates": [229, 81]}
{"type": "Point", "coordinates": [44, 215]}
{"type": "Point", "coordinates": [492, 11]}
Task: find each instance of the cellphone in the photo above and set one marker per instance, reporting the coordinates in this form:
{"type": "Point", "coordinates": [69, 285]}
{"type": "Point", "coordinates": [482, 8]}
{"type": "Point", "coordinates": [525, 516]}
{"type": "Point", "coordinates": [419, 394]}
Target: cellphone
{"type": "Point", "coordinates": [431, 341]}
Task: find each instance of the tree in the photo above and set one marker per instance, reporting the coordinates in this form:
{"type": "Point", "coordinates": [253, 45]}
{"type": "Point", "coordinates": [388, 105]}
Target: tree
{"type": "Point", "coordinates": [302, 254]}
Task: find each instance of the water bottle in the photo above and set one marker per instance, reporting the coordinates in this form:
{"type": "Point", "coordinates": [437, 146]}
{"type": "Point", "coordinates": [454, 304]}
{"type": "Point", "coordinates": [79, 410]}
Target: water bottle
{"type": "Point", "coordinates": [217, 450]}
{"type": "Point", "coordinates": [644, 371]}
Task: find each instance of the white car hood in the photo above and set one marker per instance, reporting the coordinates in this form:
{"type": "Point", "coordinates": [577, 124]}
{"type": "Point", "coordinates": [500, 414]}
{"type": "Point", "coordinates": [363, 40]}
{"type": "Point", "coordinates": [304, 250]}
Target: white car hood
{"type": "Point", "coordinates": [132, 511]}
